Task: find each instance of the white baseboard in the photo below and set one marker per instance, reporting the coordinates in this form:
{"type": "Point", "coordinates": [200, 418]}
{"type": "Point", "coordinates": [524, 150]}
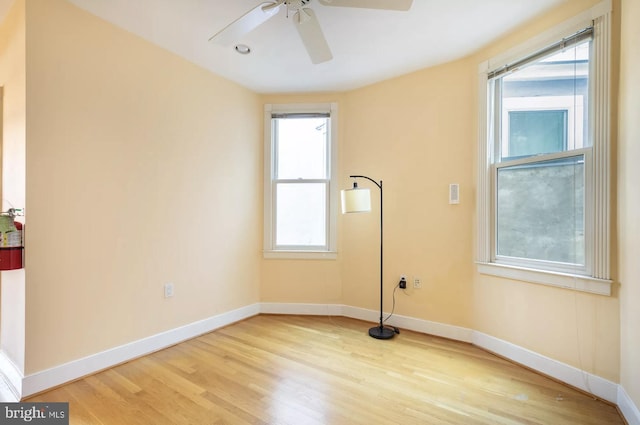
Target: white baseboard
{"type": "Point", "coordinates": [40, 381]}
{"type": "Point", "coordinates": [406, 322]}
{"type": "Point", "coordinates": [43, 380]}
{"type": "Point", "coordinates": [573, 376]}
{"type": "Point", "coordinates": [627, 407]}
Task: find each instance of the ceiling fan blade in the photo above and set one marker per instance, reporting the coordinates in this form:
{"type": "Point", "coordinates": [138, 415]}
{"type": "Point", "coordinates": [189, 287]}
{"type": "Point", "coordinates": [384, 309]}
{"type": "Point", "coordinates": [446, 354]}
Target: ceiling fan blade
{"type": "Point", "coordinates": [370, 4]}
{"type": "Point", "coordinates": [247, 22]}
{"type": "Point", "coordinates": [312, 36]}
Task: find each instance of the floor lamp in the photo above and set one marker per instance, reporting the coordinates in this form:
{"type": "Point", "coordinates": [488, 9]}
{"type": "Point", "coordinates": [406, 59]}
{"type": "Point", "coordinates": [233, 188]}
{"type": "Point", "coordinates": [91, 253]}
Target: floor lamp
{"type": "Point", "coordinates": [356, 200]}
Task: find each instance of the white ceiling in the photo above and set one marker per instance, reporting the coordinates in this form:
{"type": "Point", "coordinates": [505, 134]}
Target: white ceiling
{"type": "Point", "coordinates": [367, 45]}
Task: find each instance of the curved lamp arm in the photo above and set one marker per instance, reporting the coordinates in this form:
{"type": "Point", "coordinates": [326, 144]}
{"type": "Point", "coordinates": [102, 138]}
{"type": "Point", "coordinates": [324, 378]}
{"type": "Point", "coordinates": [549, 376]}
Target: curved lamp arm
{"type": "Point", "coordinates": [370, 179]}
{"type": "Point", "coordinates": [379, 332]}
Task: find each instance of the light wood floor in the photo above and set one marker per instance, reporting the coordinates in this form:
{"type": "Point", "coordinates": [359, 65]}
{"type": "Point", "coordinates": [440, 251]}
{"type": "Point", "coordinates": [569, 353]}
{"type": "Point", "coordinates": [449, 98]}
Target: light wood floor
{"type": "Point", "coordinates": [320, 370]}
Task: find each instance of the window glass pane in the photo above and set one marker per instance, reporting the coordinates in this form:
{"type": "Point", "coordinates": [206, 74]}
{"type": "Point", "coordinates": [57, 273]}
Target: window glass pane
{"type": "Point", "coordinates": [536, 132]}
{"type": "Point", "coordinates": [540, 211]}
{"type": "Point", "coordinates": [544, 105]}
{"type": "Point", "coordinates": [301, 148]}
{"type": "Point", "coordinates": [301, 214]}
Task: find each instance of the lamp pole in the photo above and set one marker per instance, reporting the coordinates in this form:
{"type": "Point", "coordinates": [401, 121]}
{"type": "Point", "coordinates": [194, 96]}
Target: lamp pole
{"type": "Point", "coordinates": [380, 331]}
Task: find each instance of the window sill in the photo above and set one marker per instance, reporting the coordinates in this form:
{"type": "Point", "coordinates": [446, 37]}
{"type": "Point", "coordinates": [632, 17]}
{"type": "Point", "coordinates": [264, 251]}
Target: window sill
{"type": "Point", "coordinates": [300, 255]}
{"type": "Point", "coordinates": [560, 280]}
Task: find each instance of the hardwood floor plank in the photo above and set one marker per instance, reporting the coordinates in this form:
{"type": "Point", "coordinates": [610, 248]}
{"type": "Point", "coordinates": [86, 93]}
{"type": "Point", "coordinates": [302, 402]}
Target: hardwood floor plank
{"type": "Point", "coordinates": [301, 370]}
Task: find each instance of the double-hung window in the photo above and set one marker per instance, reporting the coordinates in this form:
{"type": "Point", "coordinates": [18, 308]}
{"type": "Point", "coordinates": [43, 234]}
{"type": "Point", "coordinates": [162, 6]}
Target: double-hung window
{"type": "Point", "coordinates": [300, 183]}
{"type": "Point", "coordinates": [544, 160]}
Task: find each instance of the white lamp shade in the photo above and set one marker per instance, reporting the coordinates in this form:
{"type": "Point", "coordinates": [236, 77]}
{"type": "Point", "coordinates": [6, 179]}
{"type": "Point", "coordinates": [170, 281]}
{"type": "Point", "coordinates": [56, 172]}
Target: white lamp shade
{"type": "Point", "coordinates": [356, 200]}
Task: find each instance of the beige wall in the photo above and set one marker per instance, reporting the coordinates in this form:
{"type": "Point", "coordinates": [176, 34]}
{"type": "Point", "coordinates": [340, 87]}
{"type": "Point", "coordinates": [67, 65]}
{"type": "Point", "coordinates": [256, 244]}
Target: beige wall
{"type": "Point", "coordinates": [629, 199]}
{"type": "Point", "coordinates": [407, 132]}
{"type": "Point", "coordinates": [12, 80]}
{"type": "Point", "coordinates": [413, 133]}
{"type": "Point", "coordinates": [142, 169]}
{"type": "Point", "coordinates": [576, 328]}
{"type": "Point", "coordinates": [122, 135]}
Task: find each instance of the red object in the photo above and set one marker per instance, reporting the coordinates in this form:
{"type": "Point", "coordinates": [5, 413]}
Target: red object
{"type": "Point", "coordinates": [11, 257]}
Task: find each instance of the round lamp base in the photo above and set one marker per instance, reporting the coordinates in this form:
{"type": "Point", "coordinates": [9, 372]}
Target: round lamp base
{"type": "Point", "coordinates": [379, 332]}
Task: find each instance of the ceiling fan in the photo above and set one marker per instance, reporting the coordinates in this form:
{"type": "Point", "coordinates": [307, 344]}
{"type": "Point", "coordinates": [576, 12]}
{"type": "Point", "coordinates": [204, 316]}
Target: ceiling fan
{"type": "Point", "coordinates": [304, 19]}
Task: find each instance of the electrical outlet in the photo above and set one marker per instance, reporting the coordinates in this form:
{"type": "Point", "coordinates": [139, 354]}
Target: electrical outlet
{"type": "Point", "coordinates": [417, 283]}
{"type": "Point", "coordinates": [168, 290]}
{"type": "Point", "coordinates": [403, 282]}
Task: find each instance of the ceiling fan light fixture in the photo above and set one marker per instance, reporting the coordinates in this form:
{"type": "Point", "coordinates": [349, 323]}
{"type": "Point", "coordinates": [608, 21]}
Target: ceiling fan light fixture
{"type": "Point", "coordinates": [243, 49]}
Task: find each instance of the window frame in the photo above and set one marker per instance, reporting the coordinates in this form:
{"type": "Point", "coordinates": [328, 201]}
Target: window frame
{"type": "Point", "coordinates": [270, 249]}
{"type": "Point", "coordinates": [594, 277]}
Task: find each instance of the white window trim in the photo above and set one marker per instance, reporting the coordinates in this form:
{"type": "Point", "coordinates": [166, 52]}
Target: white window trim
{"type": "Point", "coordinates": [543, 277]}
{"type": "Point", "coordinates": [268, 246]}
{"type": "Point", "coordinates": [598, 281]}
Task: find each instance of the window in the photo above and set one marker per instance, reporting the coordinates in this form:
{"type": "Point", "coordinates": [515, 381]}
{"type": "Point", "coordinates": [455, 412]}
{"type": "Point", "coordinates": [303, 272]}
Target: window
{"type": "Point", "coordinates": [539, 179]}
{"type": "Point", "coordinates": [300, 187]}
{"type": "Point", "coordinates": [544, 152]}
